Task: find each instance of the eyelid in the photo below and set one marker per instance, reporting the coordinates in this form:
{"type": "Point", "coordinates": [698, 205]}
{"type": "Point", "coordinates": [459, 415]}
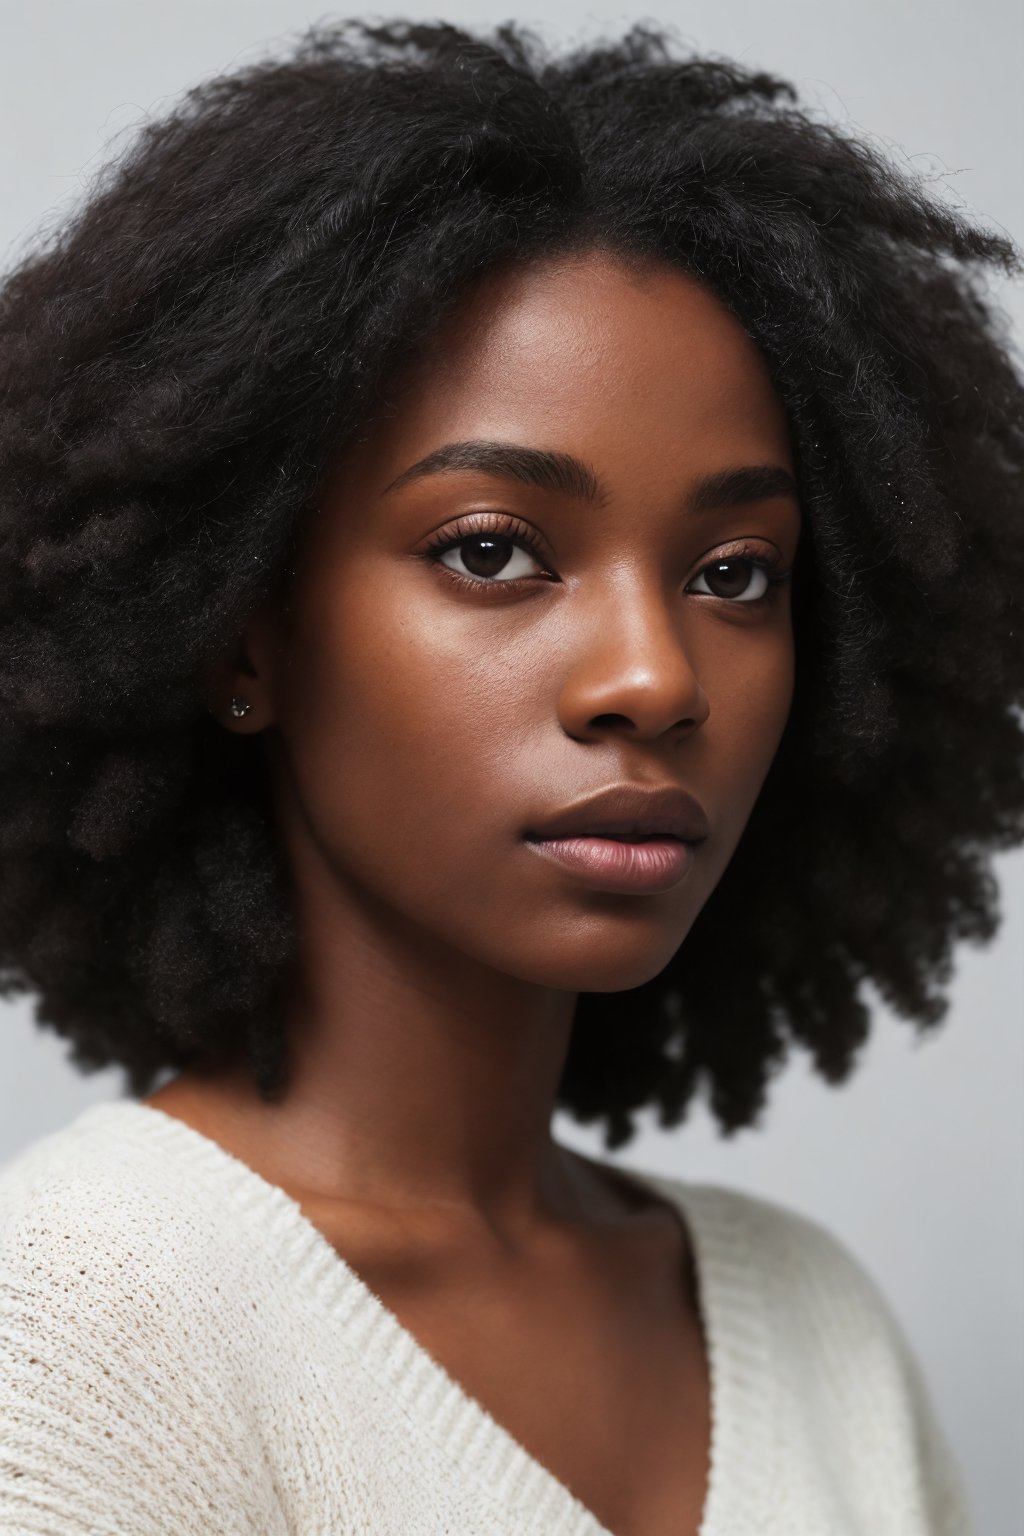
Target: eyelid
{"type": "Point", "coordinates": [764, 554]}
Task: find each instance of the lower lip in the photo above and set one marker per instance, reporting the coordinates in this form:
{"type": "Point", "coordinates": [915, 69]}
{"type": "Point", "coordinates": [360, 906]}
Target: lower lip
{"type": "Point", "coordinates": [609, 865]}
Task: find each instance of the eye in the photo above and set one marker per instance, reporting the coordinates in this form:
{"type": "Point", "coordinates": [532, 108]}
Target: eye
{"type": "Point", "coordinates": [732, 576]}
{"type": "Point", "coordinates": [488, 556]}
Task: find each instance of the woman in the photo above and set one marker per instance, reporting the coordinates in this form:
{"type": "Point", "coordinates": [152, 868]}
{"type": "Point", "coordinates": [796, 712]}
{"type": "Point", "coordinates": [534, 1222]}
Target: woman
{"type": "Point", "coordinates": [510, 569]}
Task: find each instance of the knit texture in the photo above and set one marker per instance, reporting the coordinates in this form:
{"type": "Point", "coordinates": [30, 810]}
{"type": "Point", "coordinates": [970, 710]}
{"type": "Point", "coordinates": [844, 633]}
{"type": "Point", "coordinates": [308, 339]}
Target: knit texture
{"type": "Point", "coordinates": [182, 1353]}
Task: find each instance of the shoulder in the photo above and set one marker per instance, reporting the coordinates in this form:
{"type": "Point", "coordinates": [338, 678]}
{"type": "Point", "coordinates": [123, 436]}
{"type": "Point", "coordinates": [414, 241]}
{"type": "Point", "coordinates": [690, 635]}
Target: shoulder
{"type": "Point", "coordinates": [125, 1225]}
{"type": "Point", "coordinates": [117, 1374]}
{"type": "Point", "coordinates": [106, 1251]}
{"type": "Point", "coordinates": [783, 1290]}
{"type": "Point", "coordinates": [95, 1207]}
{"type": "Point", "coordinates": [829, 1316]}
{"type": "Point", "coordinates": [794, 1255]}
{"type": "Point", "coordinates": [762, 1262]}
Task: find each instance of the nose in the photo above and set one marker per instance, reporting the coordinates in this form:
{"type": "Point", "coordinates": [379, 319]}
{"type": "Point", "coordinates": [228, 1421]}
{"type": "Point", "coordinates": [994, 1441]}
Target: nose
{"type": "Point", "coordinates": [632, 671]}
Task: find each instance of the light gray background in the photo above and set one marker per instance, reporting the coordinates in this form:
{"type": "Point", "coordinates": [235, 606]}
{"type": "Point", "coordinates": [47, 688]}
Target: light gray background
{"type": "Point", "coordinates": [917, 1163]}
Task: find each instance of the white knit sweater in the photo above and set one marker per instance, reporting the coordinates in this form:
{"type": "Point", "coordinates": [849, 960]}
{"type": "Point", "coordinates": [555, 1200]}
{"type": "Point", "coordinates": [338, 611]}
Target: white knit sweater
{"type": "Point", "coordinates": [182, 1353]}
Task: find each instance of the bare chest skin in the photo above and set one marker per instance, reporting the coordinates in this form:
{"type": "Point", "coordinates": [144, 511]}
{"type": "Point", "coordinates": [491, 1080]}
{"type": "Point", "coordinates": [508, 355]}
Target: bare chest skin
{"type": "Point", "coordinates": [587, 1349]}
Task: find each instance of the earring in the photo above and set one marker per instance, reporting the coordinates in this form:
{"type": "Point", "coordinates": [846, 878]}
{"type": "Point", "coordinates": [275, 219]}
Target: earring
{"type": "Point", "coordinates": [240, 707]}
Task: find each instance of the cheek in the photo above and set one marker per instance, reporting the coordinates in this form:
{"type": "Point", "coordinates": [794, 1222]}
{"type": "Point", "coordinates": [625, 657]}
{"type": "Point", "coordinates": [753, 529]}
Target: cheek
{"type": "Point", "coordinates": [749, 710]}
{"type": "Point", "coordinates": [398, 717]}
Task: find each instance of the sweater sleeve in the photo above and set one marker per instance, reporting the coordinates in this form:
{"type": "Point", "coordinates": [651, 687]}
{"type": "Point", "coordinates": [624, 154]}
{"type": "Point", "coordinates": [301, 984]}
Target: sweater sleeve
{"type": "Point", "coordinates": [943, 1492]}
{"type": "Point", "coordinates": [867, 1382]}
{"type": "Point", "coordinates": [118, 1416]}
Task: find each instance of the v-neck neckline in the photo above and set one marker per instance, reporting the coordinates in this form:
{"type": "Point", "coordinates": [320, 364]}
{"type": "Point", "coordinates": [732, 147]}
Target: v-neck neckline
{"type": "Point", "coordinates": [738, 1341]}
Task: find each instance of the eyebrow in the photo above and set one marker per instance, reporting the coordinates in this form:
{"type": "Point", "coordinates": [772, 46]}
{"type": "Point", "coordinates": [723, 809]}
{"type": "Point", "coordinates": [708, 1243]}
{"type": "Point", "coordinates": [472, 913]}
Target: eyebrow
{"type": "Point", "coordinates": [570, 476]}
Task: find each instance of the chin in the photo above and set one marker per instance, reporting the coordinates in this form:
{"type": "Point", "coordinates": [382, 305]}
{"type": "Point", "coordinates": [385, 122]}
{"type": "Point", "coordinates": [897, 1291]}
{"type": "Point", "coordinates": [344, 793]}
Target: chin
{"type": "Point", "coordinates": [602, 961]}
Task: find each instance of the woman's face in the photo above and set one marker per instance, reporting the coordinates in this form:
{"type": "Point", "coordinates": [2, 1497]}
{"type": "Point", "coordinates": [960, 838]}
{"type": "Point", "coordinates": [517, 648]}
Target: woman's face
{"type": "Point", "coordinates": [436, 700]}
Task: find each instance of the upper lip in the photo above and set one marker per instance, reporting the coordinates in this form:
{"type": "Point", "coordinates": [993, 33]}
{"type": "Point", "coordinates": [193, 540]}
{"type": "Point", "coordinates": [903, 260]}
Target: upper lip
{"type": "Point", "coordinates": [625, 808]}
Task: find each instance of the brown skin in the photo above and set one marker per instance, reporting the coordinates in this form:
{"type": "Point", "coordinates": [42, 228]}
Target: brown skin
{"type": "Point", "coordinates": [417, 726]}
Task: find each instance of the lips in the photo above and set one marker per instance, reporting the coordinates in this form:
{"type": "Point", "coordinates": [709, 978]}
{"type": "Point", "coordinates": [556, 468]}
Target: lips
{"type": "Point", "coordinates": [627, 813]}
{"type": "Point", "coordinates": [622, 868]}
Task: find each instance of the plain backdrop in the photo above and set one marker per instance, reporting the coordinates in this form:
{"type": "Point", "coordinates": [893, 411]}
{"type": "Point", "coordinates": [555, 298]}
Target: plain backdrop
{"type": "Point", "coordinates": [917, 1163]}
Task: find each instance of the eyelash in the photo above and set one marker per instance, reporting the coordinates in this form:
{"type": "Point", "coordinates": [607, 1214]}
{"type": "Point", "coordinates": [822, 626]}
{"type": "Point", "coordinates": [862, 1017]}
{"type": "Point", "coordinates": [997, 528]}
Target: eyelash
{"type": "Point", "coordinates": [520, 534]}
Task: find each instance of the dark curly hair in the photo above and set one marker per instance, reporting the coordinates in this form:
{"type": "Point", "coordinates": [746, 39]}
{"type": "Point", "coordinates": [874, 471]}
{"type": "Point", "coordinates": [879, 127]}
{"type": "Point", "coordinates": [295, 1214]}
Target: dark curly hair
{"type": "Point", "coordinates": [182, 361]}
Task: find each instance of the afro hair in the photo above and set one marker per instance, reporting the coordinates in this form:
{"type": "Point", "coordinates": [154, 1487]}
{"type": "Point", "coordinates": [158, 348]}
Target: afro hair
{"type": "Point", "coordinates": [186, 356]}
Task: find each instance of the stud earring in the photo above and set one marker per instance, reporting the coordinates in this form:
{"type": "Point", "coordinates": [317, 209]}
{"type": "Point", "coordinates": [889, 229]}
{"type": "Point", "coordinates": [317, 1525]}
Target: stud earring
{"type": "Point", "coordinates": [240, 707]}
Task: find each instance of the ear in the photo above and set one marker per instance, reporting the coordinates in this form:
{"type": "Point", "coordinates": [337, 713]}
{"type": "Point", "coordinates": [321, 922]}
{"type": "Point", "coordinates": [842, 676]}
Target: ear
{"type": "Point", "coordinates": [247, 673]}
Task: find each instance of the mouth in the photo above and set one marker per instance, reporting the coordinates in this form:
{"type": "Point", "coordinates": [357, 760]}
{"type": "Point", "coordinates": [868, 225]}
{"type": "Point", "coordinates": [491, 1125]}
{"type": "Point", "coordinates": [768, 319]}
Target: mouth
{"type": "Point", "coordinates": [623, 863]}
{"type": "Point", "coordinates": [612, 837]}
{"type": "Point", "coordinates": [627, 838]}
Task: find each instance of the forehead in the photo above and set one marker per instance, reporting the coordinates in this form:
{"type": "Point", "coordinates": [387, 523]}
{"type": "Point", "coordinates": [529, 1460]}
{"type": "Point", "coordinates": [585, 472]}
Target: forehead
{"type": "Point", "coordinates": [626, 365]}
